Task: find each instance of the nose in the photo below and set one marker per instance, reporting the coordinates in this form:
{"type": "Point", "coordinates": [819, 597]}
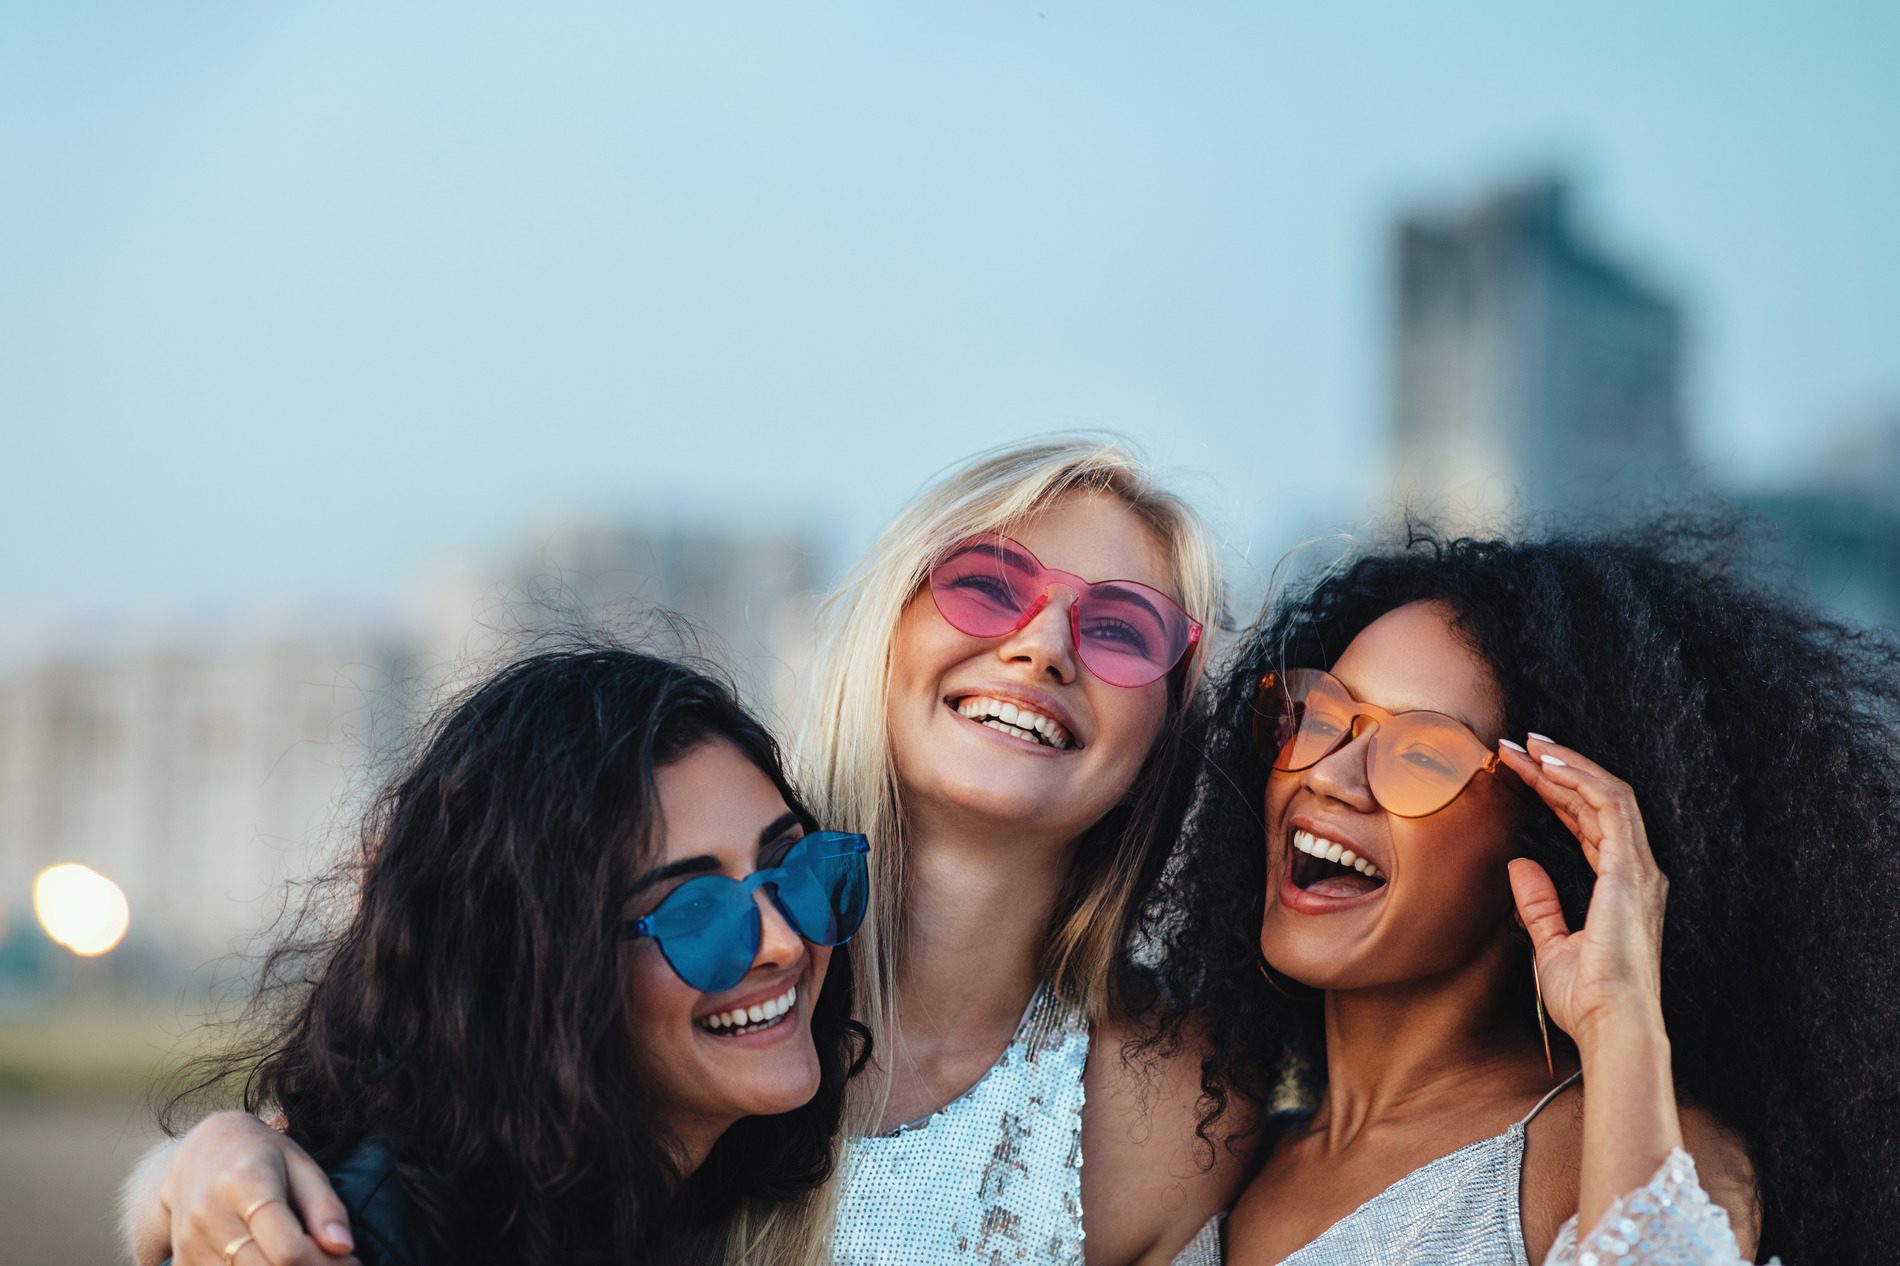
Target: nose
{"type": "Point", "coordinates": [1044, 641]}
{"type": "Point", "coordinates": [1342, 774]}
{"type": "Point", "coordinates": [780, 945]}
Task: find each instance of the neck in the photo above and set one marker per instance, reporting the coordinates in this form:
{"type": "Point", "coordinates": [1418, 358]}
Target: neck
{"type": "Point", "coordinates": [979, 900]}
{"type": "Point", "coordinates": [1417, 1047]}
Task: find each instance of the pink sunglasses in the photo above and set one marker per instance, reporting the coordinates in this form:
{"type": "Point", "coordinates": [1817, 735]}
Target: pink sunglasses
{"type": "Point", "coordinates": [1127, 633]}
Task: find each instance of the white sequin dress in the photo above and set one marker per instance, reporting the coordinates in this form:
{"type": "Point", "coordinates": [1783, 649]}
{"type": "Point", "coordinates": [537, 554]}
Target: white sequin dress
{"type": "Point", "coordinates": [1463, 1209]}
{"type": "Point", "coordinates": [995, 1177]}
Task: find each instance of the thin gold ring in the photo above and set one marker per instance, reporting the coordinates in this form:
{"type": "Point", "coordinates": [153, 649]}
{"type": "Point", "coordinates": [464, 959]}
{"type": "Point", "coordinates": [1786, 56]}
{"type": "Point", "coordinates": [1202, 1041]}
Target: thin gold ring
{"type": "Point", "coordinates": [251, 1212]}
{"type": "Point", "coordinates": [231, 1249]}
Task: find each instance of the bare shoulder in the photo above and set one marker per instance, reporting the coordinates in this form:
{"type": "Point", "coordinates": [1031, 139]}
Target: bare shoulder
{"type": "Point", "coordinates": [1151, 1181]}
{"type": "Point", "coordinates": [1552, 1172]}
{"type": "Point", "coordinates": [1727, 1173]}
{"type": "Point", "coordinates": [1553, 1159]}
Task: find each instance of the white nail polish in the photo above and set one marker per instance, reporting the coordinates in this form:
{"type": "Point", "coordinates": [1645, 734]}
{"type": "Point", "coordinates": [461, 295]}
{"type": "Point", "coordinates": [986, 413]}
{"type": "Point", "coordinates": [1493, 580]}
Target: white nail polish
{"type": "Point", "coordinates": [1516, 747]}
{"type": "Point", "coordinates": [1542, 738]}
{"type": "Point", "coordinates": [1552, 760]}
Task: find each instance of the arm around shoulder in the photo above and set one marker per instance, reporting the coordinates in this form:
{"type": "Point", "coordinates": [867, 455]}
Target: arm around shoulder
{"type": "Point", "coordinates": [1151, 1182]}
{"type": "Point", "coordinates": [233, 1178]}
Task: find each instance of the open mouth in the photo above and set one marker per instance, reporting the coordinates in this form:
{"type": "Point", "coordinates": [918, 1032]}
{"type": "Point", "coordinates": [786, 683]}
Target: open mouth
{"type": "Point", "coordinates": [753, 1019]}
{"type": "Point", "coordinates": [1016, 721]}
{"type": "Point", "coordinates": [1327, 868]}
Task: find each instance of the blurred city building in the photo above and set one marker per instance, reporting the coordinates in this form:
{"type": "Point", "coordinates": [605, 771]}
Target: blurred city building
{"type": "Point", "coordinates": [1839, 529]}
{"type": "Point", "coordinates": [196, 780]}
{"type": "Point", "coordinates": [748, 602]}
{"type": "Point", "coordinates": [1531, 372]}
{"type": "Point", "coordinates": [201, 779]}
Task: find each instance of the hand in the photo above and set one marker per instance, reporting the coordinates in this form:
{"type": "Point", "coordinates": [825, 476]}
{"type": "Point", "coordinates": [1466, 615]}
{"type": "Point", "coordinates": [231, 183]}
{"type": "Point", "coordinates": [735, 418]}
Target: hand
{"type": "Point", "coordinates": [1611, 970]}
{"type": "Point", "coordinates": [228, 1164]}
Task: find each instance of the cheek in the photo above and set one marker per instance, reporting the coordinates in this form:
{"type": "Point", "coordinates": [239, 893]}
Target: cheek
{"type": "Point", "coordinates": [1128, 720]}
{"type": "Point", "coordinates": [820, 964]}
{"type": "Point", "coordinates": [659, 1012]}
{"type": "Point", "coordinates": [1458, 866]}
{"type": "Point", "coordinates": [1279, 793]}
{"type": "Point", "coordinates": [925, 646]}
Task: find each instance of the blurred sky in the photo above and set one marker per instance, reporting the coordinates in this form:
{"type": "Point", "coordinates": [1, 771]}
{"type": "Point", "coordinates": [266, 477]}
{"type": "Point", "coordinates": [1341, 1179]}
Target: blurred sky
{"type": "Point", "coordinates": [297, 300]}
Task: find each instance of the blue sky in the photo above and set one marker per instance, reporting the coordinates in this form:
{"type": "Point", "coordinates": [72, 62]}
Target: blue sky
{"type": "Point", "coordinates": [297, 300]}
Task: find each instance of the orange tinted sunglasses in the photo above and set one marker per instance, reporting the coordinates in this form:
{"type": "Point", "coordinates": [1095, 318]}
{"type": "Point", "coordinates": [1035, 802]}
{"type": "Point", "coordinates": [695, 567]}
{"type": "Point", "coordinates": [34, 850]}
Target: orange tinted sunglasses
{"type": "Point", "coordinates": [1416, 762]}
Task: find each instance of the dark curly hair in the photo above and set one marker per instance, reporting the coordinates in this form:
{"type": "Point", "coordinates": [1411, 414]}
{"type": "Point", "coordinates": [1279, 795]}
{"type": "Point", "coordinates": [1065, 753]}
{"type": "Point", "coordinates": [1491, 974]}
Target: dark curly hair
{"type": "Point", "coordinates": [470, 1017]}
{"type": "Point", "coordinates": [1761, 740]}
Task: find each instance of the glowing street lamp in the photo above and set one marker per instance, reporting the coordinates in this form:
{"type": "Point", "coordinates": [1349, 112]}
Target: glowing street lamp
{"type": "Point", "coordinates": [80, 908]}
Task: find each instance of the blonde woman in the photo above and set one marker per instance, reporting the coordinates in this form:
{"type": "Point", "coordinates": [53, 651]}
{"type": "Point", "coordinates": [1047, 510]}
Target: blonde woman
{"type": "Point", "coordinates": [1003, 705]}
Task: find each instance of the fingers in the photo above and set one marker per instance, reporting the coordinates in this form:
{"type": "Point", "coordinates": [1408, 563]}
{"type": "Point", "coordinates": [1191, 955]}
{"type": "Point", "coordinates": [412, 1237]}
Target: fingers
{"type": "Point", "coordinates": [282, 1241]}
{"type": "Point", "coordinates": [1562, 799]}
{"type": "Point", "coordinates": [328, 1221]}
{"type": "Point", "coordinates": [1538, 906]}
{"type": "Point", "coordinates": [1598, 807]}
{"type": "Point", "coordinates": [244, 1186]}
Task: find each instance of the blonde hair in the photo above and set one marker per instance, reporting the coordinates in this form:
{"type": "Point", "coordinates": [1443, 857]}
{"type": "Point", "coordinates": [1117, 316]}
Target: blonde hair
{"type": "Point", "coordinates": [843, 758]}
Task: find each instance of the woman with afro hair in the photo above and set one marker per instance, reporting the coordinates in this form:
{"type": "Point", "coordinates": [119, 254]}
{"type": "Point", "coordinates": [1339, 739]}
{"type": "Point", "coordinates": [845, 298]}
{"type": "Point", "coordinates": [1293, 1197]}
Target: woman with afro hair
{"type": "Point", "coordinates": [1489, 990]}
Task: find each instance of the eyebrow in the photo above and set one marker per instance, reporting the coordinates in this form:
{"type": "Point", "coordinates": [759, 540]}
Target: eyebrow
{"type": "Point", "coordinates": [705, 862]}
{"type": "Point", "coordinates": [1002, 553]}
{"type": "Point", "coordinates": [1131, 596]}
{"type": "Point", "coordinates": [1399, 712]}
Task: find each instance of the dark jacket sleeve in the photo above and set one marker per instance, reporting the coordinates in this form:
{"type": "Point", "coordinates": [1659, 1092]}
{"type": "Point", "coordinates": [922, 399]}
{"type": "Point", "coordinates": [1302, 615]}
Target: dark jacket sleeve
{"type": "Point", "coordinates": [382, 1220]}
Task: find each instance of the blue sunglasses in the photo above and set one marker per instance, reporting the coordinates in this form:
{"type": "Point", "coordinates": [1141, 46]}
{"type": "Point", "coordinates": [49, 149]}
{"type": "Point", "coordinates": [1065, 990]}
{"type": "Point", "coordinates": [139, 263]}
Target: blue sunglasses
{"type": "Point", "coordinates": [708, 928]}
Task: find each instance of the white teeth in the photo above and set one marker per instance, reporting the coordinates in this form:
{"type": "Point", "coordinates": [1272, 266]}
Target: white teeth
{"type": "Point", "coordinates": [1017, 722]}
{"type": "Point", "coordinates": [750, 1019]}
{"type": "Point", "coordinates": [1327, 850]}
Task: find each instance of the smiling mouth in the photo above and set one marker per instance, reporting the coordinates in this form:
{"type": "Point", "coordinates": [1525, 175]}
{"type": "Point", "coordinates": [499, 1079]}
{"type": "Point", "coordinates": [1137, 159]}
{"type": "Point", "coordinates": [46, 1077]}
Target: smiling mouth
{"type": "Point", "coordinates": [1326, 868]}
{"type": "Point", "coordinates": [1016, 721]}
{"type": "Point", "coordinates": [754, 1019]}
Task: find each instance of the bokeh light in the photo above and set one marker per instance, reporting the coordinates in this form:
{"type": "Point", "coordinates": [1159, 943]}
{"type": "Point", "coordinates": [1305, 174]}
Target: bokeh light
{"type": "Point", "coordinates": [80, 908]}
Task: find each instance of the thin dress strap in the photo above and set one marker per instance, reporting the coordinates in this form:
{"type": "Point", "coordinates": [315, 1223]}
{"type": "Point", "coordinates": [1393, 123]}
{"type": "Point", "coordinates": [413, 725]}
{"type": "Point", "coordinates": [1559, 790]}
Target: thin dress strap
{"type": "Point", "coordinates": [1557, 1090]}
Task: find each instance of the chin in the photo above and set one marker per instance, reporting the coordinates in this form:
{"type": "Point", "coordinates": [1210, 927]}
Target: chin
{"type": "Point", "coordinates": [1301, 959]}
{"type": "Point", "coordinates": [771, 1096]}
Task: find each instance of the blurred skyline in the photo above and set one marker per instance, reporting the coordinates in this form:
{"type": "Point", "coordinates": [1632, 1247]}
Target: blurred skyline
{"type": "Point", "coordinates": [302, 302]}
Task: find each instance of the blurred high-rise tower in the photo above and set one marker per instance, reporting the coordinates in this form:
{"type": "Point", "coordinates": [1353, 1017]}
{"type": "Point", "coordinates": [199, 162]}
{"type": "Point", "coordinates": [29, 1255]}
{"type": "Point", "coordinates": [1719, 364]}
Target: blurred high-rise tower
{"type": "Point", "coordinates": [1531, 373]}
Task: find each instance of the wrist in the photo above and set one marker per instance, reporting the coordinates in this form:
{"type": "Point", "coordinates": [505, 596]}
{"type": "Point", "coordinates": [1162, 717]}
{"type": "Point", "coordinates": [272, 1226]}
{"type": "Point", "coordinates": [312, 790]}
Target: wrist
{"type": "Point", "coordinates": [1632, 1022]}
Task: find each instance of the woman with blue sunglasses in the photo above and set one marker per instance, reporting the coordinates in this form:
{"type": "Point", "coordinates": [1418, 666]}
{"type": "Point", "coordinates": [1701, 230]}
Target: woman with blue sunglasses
{"type": "Point", "coordinates": [586, 1005]}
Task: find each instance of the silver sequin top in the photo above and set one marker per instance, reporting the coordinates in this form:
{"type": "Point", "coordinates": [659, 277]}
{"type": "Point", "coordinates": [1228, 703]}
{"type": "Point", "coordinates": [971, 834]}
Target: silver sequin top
{"type": "Point", "coordinates": [995, 1177]}
{"type": "Point", "coordinates": [1461, 1209]}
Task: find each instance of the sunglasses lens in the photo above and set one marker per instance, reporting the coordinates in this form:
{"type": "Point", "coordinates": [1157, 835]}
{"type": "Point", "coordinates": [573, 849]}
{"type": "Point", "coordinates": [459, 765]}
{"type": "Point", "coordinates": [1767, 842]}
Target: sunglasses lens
{"type": "Point", "coordinates": [1418, 762]}
{"type": "Point", "coordinates": [1129, 634]}
{"type": "Point", "coordinates": [1300, 717]}
{"type": "Point", "coordinates": [824, 885]}
{"type": "Point", "coordinates": [984, 586]}
{"type": "Point", "coordinates": [708, 928]}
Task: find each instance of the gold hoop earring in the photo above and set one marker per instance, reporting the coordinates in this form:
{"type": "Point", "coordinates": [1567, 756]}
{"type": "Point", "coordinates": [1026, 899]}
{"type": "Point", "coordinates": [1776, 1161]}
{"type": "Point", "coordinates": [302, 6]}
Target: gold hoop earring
{"type": "Point", "coordinates": [1543, 1028]}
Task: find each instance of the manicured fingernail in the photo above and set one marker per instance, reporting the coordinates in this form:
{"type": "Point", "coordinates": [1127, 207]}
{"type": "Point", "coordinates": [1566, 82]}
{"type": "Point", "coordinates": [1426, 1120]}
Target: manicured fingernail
{"type": "Point", "coordinates": [1516, 747]}
{"type": "Point", "coordinates": [1551, 760]}
{"type": "Point", "coordinates": [337, 1233]}
{"type": "Point", "coordinates": [1542, 738]}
